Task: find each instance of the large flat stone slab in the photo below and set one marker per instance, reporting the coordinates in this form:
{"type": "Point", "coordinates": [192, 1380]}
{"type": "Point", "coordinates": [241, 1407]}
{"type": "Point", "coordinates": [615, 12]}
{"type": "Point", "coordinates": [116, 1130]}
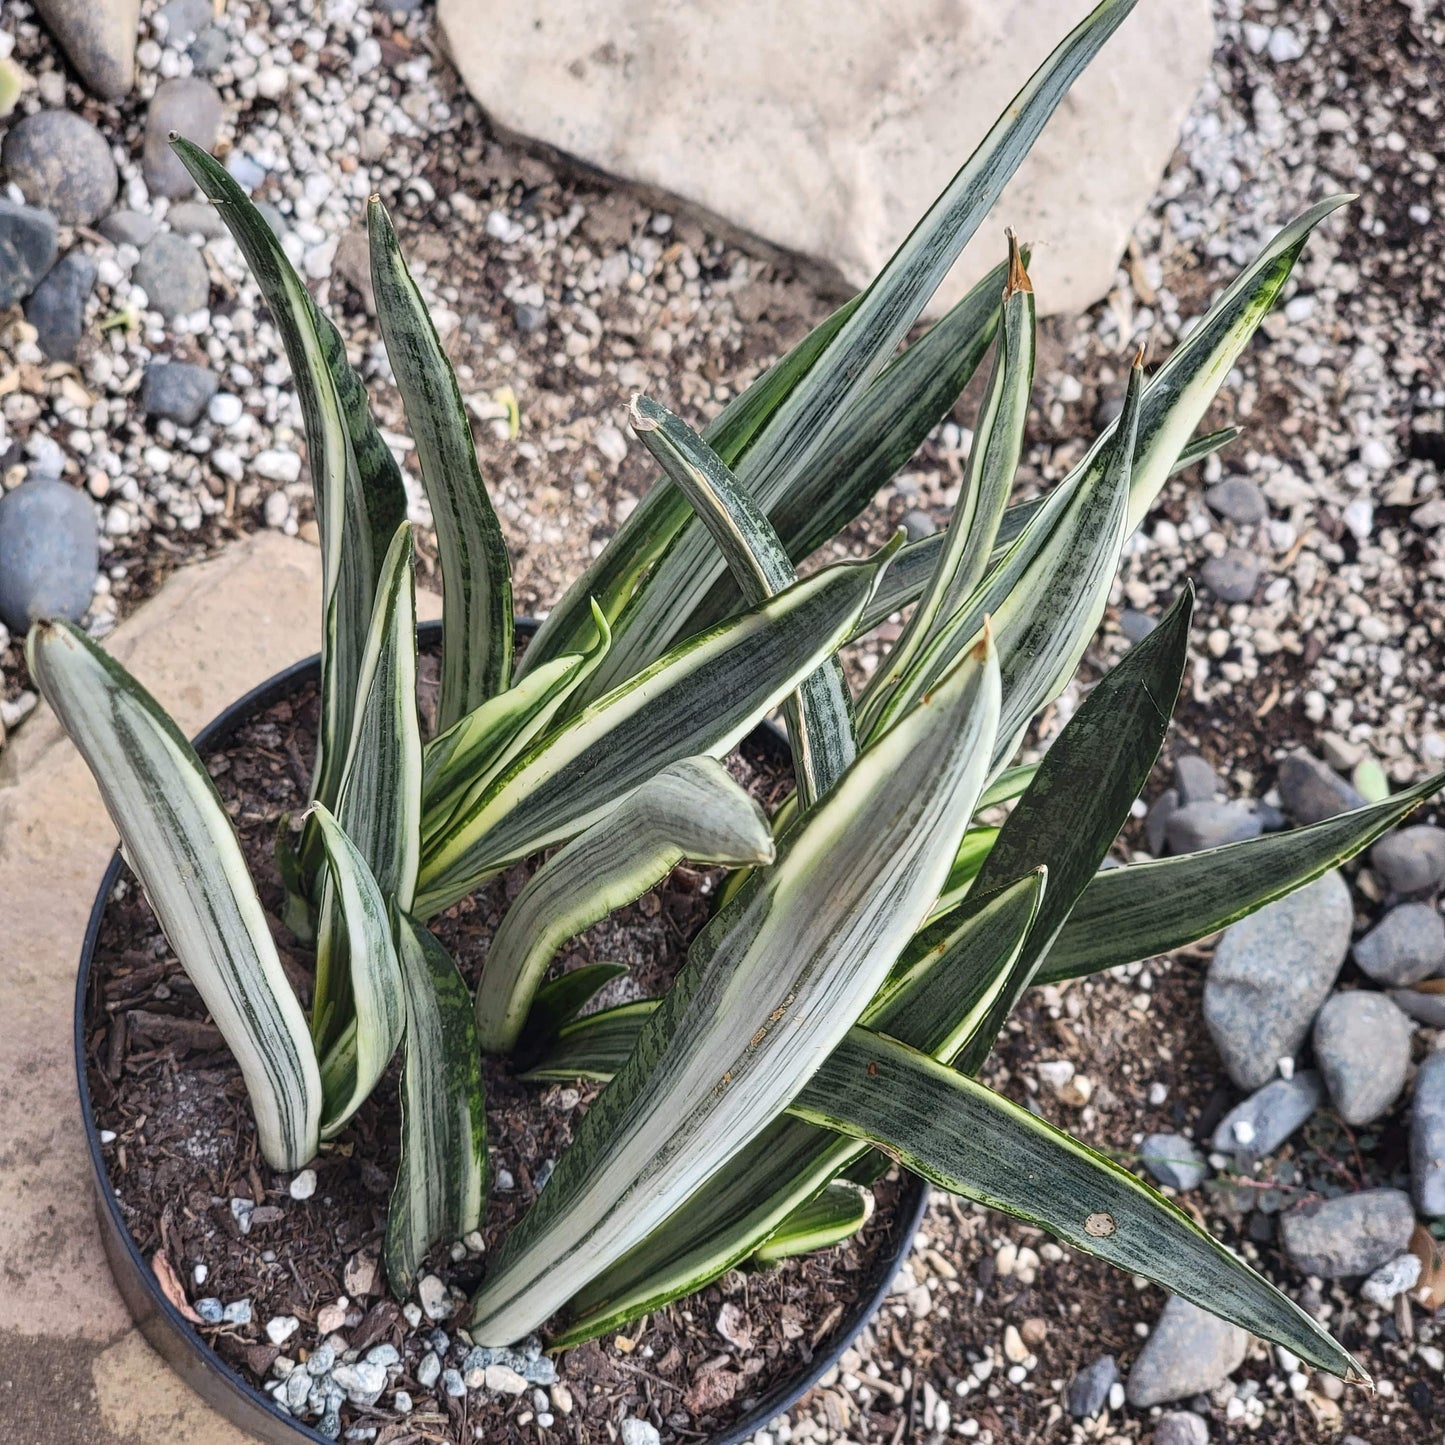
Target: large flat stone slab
{"type": "Point", "coordinates": [71, 1367]}
{"type": "Point", "coordinates": [827, 128]}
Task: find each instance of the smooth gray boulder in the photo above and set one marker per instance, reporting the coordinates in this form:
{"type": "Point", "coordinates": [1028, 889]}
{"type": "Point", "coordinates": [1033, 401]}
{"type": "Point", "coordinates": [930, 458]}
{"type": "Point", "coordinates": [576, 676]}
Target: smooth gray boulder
{"type": "Point", "coordinates": [1311, 791]}
{"type": "Point", "coordinates": [1089, 1389]}
{"type": "Point", "coordinates": [1271, 972]}
{"type": "Point", "coordinates": [1411, 860]}
{"type": "Point", "coordinates": [1174, 1160]}
{"type": "Point", "coordinates": [1423, 1007]}
{"type": "Point", "coordinates": [1353, 1234]}
{"type": "Point", "coordinates": [1189, 1352]}
{"type": "Point", "coordinates": [1258, 1125]}
{"type": "Point", "coordinates": [49, 553]}
{"type": "Point", "coordinates": [1427, 1137]}
{"type": "Point", "coordinates": [177, 391]}
{"type": "Point", "coordinates": [62, 164]}
{"type": "Point", "coordinates": [99, 38]}
{"type": "Point", "coordinates": [1362, 1046]}
{"type": "Point", "coordinates": [56, 308]}
{"type": "Point", "coordinates": [28, 242]}
{"type": "Point", "coordinates": [1196, 781]}
{"type": "Point", "coordinates": [1404, 947]}
{"type": "Point", "coordinates": [1239, 500]}
{"type": "Point", "coordinates": [1180, 1427]}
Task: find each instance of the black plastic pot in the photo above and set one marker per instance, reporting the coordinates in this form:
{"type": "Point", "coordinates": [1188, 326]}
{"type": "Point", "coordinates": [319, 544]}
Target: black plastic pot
{"type": "Point", "coordinates": [176, 1340]}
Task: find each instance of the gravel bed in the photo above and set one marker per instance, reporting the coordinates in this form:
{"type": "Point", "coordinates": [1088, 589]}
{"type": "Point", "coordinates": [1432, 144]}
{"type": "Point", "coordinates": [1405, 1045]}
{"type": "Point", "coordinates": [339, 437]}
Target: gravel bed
{"type": "Point", "coordinates": [1319, 536]}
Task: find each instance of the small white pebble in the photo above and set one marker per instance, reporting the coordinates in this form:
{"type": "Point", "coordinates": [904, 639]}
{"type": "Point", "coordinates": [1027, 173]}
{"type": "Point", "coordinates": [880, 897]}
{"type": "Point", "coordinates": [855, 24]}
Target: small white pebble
{"type": "Point", "coordinates": [281, 1328]}
{"type": "Point", "coordinates": [303, 1186]}
{"type": "Point", "coordinates": [107, 1136]}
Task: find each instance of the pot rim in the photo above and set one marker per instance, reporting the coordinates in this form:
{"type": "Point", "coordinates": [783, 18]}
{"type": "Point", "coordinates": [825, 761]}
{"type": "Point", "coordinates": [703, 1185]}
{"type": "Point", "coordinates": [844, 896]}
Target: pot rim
{"type": "Point", "coordinates": [177, 1341]}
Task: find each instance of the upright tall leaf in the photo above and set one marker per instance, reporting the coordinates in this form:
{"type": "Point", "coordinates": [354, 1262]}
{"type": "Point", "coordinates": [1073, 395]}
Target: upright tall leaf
{"type": "Point", "coordinates": [380, 806]}
{"type": "Point", "coordinates": [820, 714]}
{"type": "Point", "coordinates": [441, 1184]}
{"type": "Point", "coordinates": [971, 1141]}
{"type": "Point", "coordinates": [699, 699]}
{"type": "Point", "coordinates": [768, 988]}
{"type": "Point", "coordinates": [876, 436]}
{"type": "Point", "coordinates": [476, 573]}
{"type": "Point", "coordinates": [805, 426]}
{"type": "Point", "coordinates": [179, 842]}
{"type": "Point", "coordinates": [647, 533]}
{"type": "Point", "coordinates": [691, 809]}
{"type": "Point", "coordinates": [354, 916]}
{"type": "Point", "coordinates": [988, 478]}
{"type": "Point", "coordinates": [357, 486]}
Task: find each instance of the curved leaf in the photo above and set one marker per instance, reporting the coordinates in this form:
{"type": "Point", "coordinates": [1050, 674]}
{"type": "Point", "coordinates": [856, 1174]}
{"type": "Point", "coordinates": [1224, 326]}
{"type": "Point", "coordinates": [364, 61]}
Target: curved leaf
{"type": "Point", "coordinates": [179, 841]}
{"type": "Point", "coordinates": [691, 809]}
{"type": "Point", "coordinates": [837, 1212]}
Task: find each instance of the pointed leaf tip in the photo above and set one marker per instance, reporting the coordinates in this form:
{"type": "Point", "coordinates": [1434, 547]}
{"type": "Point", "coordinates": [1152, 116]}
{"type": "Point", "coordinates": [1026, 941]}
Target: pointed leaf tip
{"type": "Point", "coordinates": [1018, 276]}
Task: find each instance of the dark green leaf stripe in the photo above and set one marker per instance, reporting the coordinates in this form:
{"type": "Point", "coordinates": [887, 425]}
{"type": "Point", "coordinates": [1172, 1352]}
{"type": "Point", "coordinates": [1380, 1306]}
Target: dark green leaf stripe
{"type": "Point", "coordinates": [877, 436]}
{"type": "Point", "coordinates": [441, 1184]}
{"type": "Point", "coordinates": [699, 699]}
{"type": "Point", "coordinates": [476, 573]}
{"type": "Point", "coordinates": [988, 479]}
{"type": "Point", "coordinates": [971, 1141]}
{"type": "Point", "coordinates": [179, 841]}
{"type": "Point", "coordinates": [820, 714]}
{"type": "Point", "coordinates": [1146, 909]}
{"type": "Point", "coordinates": [357, 487]}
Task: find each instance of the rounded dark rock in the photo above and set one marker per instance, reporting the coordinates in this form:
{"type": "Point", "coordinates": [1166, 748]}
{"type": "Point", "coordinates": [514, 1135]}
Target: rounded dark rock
{"type": "Point", "coordinates": [1232, 577]}
{"type": "Point", "coordinates": [1353, 1234]}
{"type": "Point", "coordinates": [56, 308]}
{"type": "Point", "coordinates": [1405, 946]}
{"type": "Point", "coordinates": [208, 51]}
{"type": "Point", "coordinates": [191, 106]}
{"type": "Point", "coordinates": [172, 273]}
{"type": "Point", "coordinates": [1238, 500]}
{"type": "Point", "coordinates": [1411, 860]}
{"type": "Point", "coordinates": [63, 164]}
{"type": "Point", "coordinates": [1181, 1427]}
{"type": "Point", "coordinates": [49, 553]}
{"type": "Point", "coordinates": [1136, 626]}
{"type": "Point", "coordinates": [1258, 1125]}
{"type": "Point", "coordinates": [1089, 1389]}
{"type": "Point", "coordinates": [1362, 1046]}
{"type": "Point", "coordinates": [1311, 791]}
{"type": "Point", "coordinates": [1174, 1160]}
{"type": "Point", "coordinates": [177, 391]}
{"type": "Point", "coordinates": [1189, 1352]}
{"type": "Point", "coordinates": [27, 249]}
{"type": "Point", "coordinates": [527, 318]}
{"type": "Point", "coordinates": [1156, 821]}
{"type": "Point", "coordinates": [99, 39]}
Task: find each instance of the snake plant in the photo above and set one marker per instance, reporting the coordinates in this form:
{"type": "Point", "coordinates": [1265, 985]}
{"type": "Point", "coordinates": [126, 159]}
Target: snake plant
{"type": "Point", "coordinates": [833, 1013]}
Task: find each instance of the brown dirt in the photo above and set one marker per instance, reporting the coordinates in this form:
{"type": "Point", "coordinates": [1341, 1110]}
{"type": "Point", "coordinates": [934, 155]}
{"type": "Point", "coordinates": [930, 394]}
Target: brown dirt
{"type": "Point", "coordinates": [185, 1146]}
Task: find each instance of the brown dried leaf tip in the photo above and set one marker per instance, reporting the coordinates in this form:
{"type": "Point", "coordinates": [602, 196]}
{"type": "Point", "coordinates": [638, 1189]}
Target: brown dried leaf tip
{"type": "Point", "coordinates": [1018, 277]}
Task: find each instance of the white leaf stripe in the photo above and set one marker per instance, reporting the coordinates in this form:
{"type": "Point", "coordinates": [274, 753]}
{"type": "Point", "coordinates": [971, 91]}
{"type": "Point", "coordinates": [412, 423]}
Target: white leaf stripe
{"type": "Point", "coordinates": [179, 841]}
{"type": "Point", "coordinates": [691, 809]}
{"type": "Point", "coordinates": [701, 698]}
{"type": "Point", "coordinates": [440, 1186]}
{"type": "Point", "coordinates": [805, 426]}
{"type": "Point", "coordinates": [820, 714]}
{"type": "Point", "coordinates": [768, 988]}
{"type": "Point", "coordinates": [476, 572]}
{"type": "Point", "coordinates": [968, 1140]}
{"type": "Point", "coordinates": [355, 911]}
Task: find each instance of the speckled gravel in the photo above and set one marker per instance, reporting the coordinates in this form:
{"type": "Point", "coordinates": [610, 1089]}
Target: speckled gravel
{"type": "Point", "coordinates": [557, 297]}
